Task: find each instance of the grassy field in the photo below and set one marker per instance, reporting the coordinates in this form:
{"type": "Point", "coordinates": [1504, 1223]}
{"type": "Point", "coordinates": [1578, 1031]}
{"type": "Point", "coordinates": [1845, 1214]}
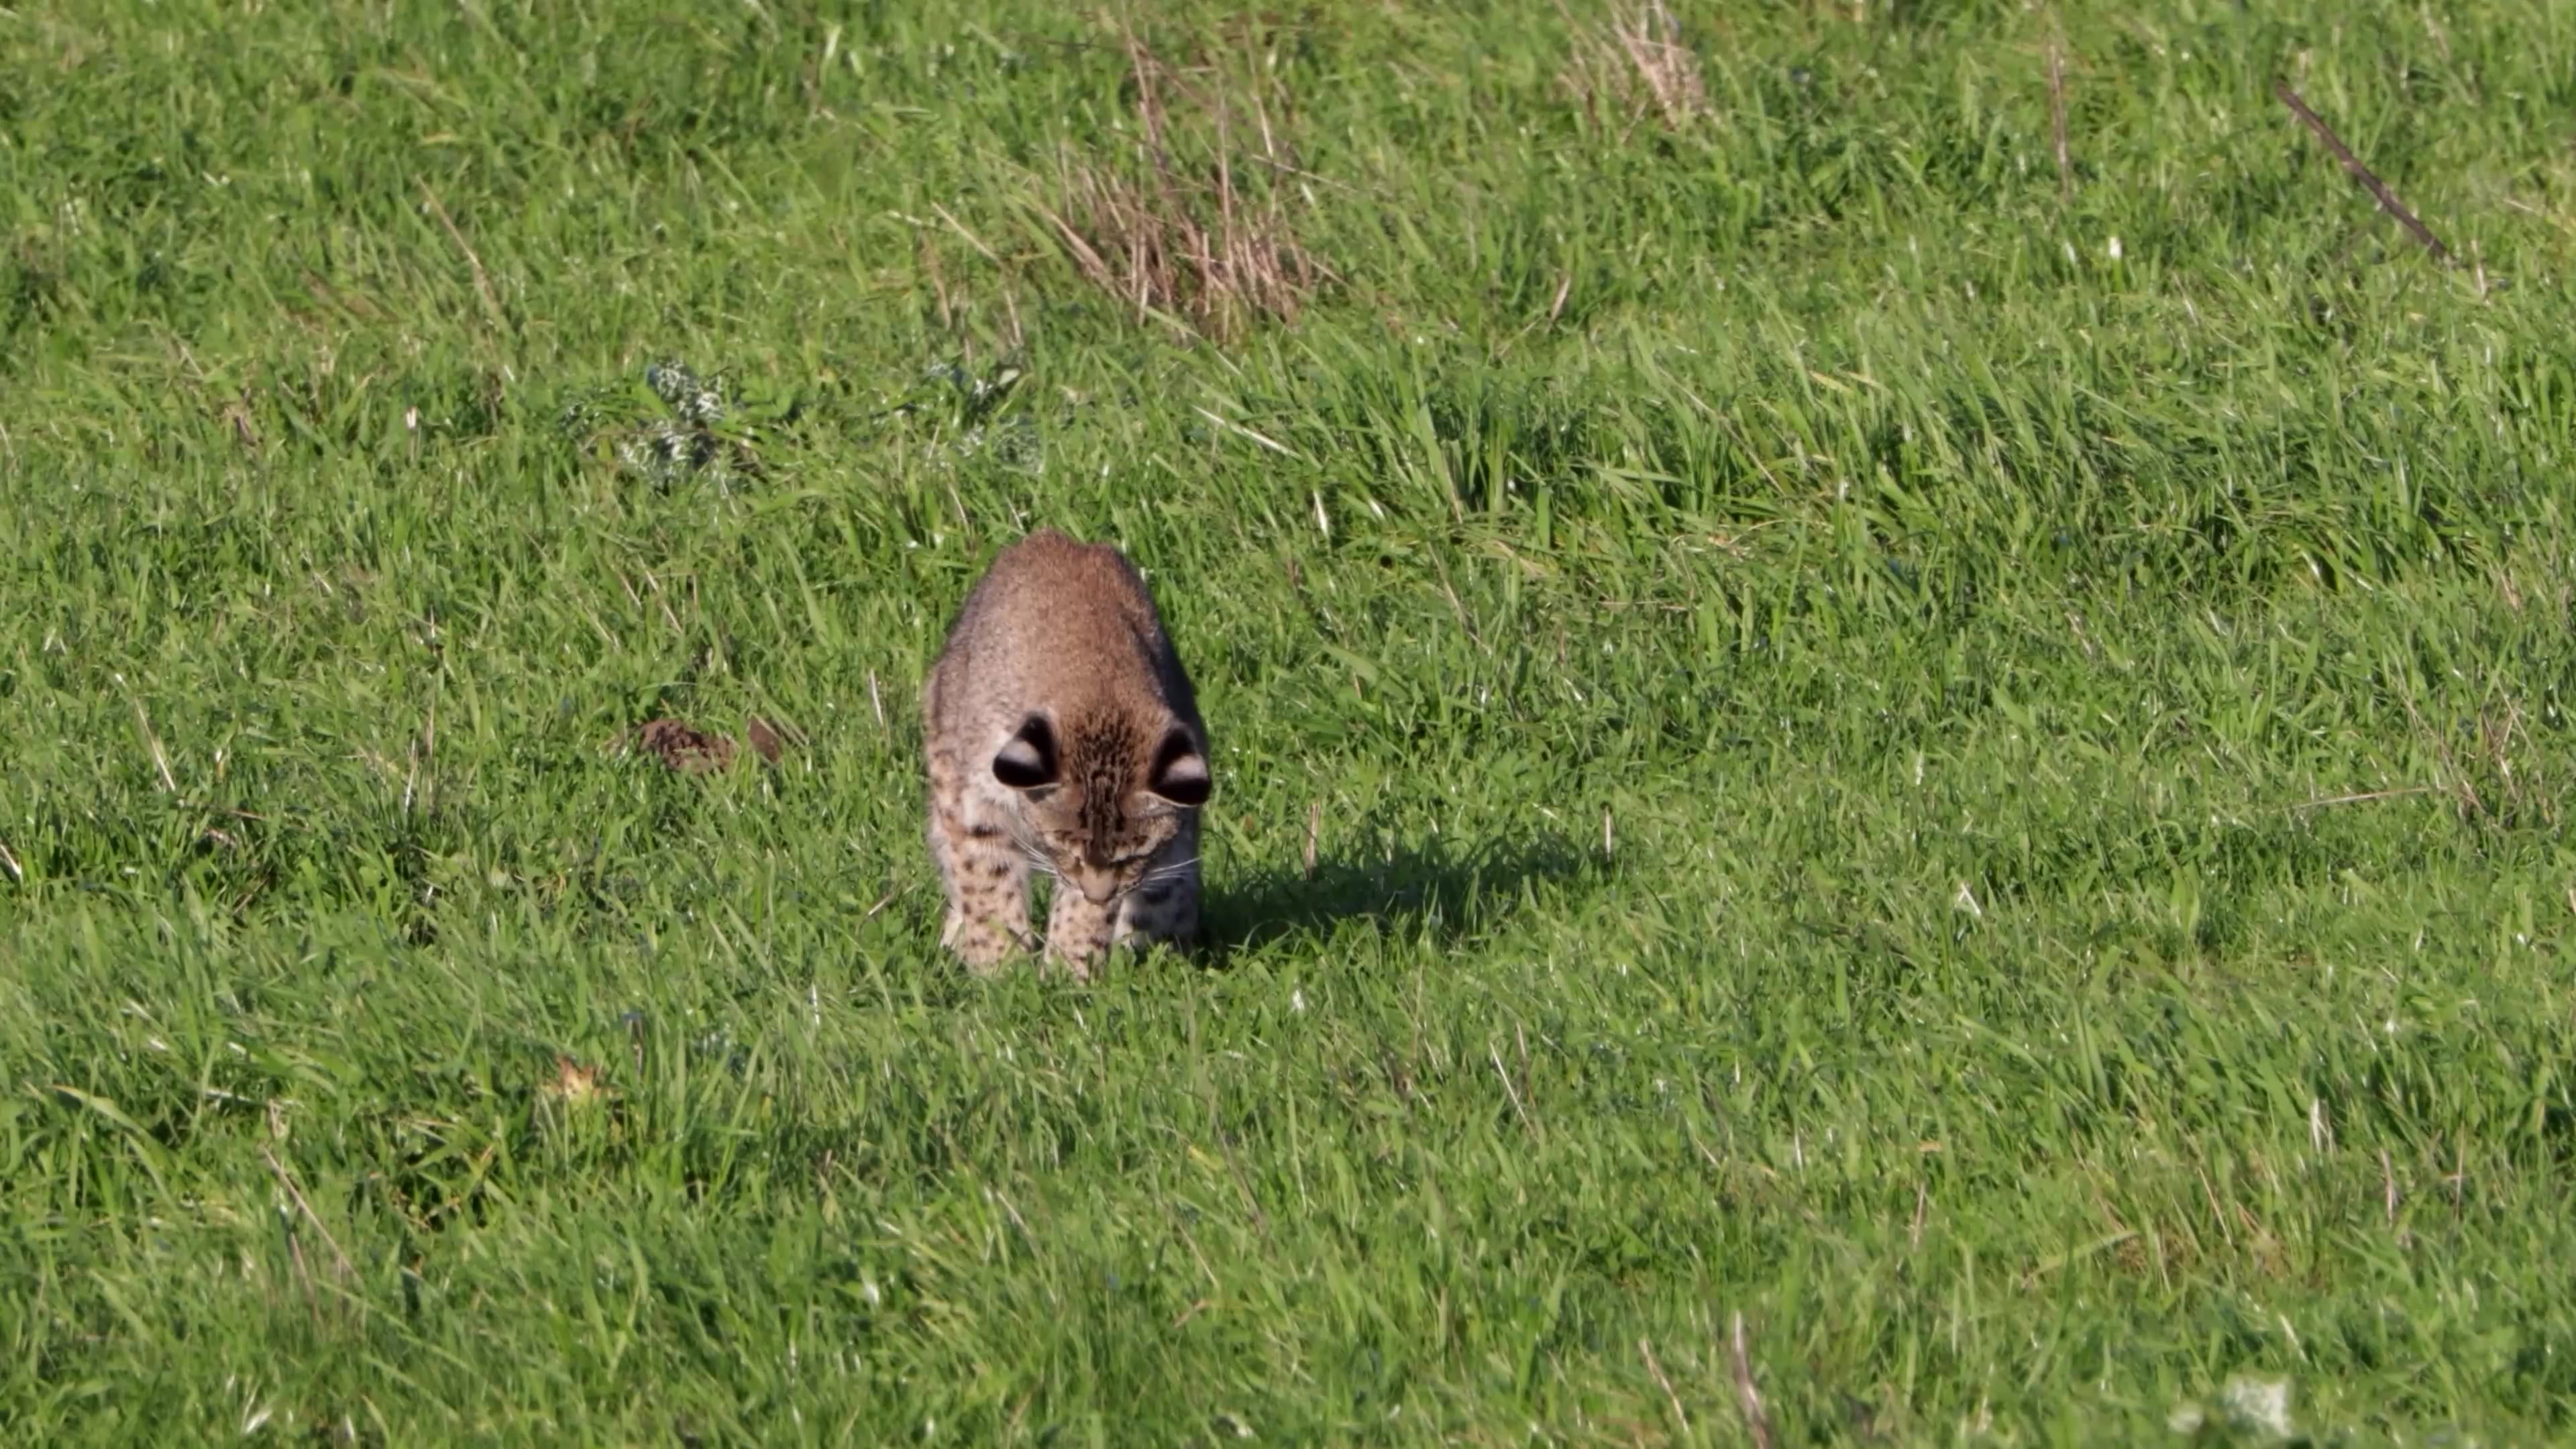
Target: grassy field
{"type": "Point", "coordinates": [1850, 765]}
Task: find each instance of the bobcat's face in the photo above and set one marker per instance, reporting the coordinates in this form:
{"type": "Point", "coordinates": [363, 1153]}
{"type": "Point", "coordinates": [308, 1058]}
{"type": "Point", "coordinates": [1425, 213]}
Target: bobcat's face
{"type": "Point", "coordinates": [1102, 798]}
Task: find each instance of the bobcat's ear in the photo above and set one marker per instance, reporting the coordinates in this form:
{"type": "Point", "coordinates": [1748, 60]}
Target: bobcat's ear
{"type": "Point", "coordinates": [1027, 760]}
{"type": "Point", "coordinates": [1179, 773]}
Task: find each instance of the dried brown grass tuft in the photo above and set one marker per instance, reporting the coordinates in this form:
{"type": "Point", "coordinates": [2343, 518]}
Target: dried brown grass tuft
{"type": "Point", "coordinates": [1634, 67]}
{"type": "Point", "coordinates": [1187, 231]}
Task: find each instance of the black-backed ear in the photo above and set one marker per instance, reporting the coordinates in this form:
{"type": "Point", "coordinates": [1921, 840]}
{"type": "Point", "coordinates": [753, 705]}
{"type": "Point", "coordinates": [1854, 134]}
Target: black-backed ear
{"type": "Point", "coordinates": [1179, 772]}
{"type": "Point", "coordinates": [1027, 760]}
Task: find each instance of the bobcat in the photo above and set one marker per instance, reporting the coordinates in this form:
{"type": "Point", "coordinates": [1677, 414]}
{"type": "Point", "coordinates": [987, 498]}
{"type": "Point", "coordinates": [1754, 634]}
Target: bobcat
{"type": "Point", "coordinates": [1061, 734]}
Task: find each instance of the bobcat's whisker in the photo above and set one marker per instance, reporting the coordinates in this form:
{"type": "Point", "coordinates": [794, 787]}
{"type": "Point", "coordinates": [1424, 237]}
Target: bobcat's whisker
{"type": "Point", "coordinates": [1026, 842]}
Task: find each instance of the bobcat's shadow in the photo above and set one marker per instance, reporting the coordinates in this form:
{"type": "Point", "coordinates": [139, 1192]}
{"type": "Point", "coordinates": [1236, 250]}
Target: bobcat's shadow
{"type": "Point", "coordinates": [1426, 889]}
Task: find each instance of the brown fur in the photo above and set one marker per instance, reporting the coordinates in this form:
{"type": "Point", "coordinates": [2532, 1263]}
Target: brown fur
{"type": "Point", "coordinates": [1061, 733]}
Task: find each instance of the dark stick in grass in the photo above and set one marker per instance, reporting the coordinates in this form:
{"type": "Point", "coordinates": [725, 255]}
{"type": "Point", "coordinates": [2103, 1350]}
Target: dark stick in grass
{"type": "Point", "coordinates": [2387, 199]}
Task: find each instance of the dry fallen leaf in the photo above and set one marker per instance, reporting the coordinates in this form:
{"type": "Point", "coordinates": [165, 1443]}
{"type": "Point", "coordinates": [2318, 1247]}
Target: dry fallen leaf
{"type": "Point", "coordinates": [572, 1084]}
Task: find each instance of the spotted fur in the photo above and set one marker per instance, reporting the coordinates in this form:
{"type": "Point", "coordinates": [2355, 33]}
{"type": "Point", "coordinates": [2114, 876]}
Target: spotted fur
{"type": "Point", "coordinates": [1063, 739]}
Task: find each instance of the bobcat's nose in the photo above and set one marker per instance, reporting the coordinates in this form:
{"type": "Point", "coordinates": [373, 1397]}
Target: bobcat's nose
{"type": "Point", "coordinates": [1096, 883]}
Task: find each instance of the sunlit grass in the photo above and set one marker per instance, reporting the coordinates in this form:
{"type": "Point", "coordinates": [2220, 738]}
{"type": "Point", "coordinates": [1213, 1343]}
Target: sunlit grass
{"type": "Point", "coordinates": [1809, 727]}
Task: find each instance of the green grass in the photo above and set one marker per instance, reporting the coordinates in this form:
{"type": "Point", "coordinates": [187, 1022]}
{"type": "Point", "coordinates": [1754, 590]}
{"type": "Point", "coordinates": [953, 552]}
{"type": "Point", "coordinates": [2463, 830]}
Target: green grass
{"type": "Point", "coordinates": [1994, 809]}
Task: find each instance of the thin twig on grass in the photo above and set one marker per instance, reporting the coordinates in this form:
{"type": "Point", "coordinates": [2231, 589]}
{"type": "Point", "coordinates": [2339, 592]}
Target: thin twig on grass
{"type": "Point", "coordinates": [1757, 1421]}
{"type": "Point", "coordinates": [2359, 797]}
{"type": "Point", "coordinates": [1230, 425]}
{"type": "Point", "coordinates": [286, 1180]}
{"type": "Point", "coordinates": [1510, 1091]}
{"type": "Point", "coordinates": [1680, 1420]}
{"type": "Point", "coordinates": [151, 741]}
{"type": "Point", "coordinates": [971, 239]}
{"type": "Point", "coordinates": [2057, 120]}
{"type": "Point", "coordinates": [424, 756]}
{"type": "Point", "coordinates": [938, 284]}
{"type": "Point", "coordinates": [482, 279]}
{"type": "Point", "coordinates": [2378, 189]}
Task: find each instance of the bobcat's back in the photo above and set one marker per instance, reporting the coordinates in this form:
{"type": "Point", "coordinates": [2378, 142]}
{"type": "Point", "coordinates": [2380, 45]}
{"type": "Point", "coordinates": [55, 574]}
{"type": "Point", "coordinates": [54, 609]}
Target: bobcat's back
{"type": "Point", "coordinates": [1058, 623]}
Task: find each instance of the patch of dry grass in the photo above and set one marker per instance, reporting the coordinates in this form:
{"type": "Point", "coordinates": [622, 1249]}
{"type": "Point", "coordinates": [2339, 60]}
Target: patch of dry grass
{"type": "Point", "coordinates": [1193, 228]}
{"type": "Point", "coordinates": [1634, 67]}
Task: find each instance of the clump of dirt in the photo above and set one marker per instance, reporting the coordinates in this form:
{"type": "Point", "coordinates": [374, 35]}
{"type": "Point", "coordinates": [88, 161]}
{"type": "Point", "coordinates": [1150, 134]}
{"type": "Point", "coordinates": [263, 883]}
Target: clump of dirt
{"type": "Point", "coordinates": [693, 751]}
{"type": "Point", "coordinates": [687, 750]}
